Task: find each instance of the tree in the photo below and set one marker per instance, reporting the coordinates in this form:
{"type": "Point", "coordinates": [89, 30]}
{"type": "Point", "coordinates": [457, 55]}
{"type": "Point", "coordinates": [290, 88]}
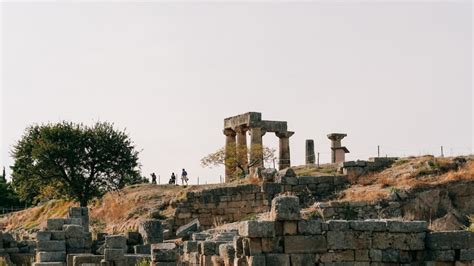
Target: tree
{"type": "Point", "coordinates": [217, 158]}
{"type": "Point", "coordinates": [79, 161]}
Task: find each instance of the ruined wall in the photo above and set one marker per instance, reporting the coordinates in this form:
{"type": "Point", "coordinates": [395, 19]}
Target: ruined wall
{"type": "Point", "coordinates": [231, 204]}
{"type": "Point", "coordinates": [286, 239]}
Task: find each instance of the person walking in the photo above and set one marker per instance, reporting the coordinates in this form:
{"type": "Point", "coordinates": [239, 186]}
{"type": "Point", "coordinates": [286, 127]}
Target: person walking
{"type": "Point", "coordinates": [153, 178]}
{"type": "Point", "coordinates": [172, 179]}
{"type": "Point", "coordinates": [184, 177]}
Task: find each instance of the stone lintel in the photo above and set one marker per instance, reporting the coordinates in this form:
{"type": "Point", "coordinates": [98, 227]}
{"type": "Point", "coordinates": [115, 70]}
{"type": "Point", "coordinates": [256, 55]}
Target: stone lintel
{"type": "Point", "coordinates": [250, 119]}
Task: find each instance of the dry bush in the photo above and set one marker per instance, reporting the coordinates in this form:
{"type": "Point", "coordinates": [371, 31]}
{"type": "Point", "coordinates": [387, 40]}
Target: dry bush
{"type": "Point", "coordinates": [255, 181]}
{"type": "Point", "coordinates": [369, 194]}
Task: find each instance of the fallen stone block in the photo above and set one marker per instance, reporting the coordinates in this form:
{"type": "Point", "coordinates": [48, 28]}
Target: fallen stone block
{"type": "Point", "coordinates": [186, 230]}
{"type": "Point", "coordinates": [114, 254]}
{"type": "Point", "coordinates": [73, 231]}
{"type": "Point", "coordinates": [52, 245]}
{"type": "Point", "coordinates": [43, 256]}
{"type": "Point", "coordinates": [309, 227]}
{"type": "Point", "coordinates": [257, 229]}
{"type": "Point", "coordinates": [151, 231]}
{"type": "Point", "coordinates": [285, 208]}
{"type": "Point", "coordinates": [54, 224]}
{"type": "Point", "coordinates": [116, 242]}
{"type": "Point", "coordinates": [305, 244]}
{"type": "Point", "coordinates": [407, 226]}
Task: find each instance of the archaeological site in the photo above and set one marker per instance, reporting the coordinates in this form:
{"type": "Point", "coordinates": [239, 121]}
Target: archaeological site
{"type": "Point", "coordinates": [380, 211]}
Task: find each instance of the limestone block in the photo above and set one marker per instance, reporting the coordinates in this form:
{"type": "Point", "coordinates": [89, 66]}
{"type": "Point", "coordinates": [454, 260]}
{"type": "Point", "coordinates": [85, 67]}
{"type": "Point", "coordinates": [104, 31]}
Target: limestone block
{"type": "Point", "coordinates": [84, 259]}
{"type": "Point", "coordinates": [114, 254]}
{"type": "Point", "coordinates": [290, 228]}
{"type": "Point", "coordinates": [165, 252]}
{"type": "Point", "coordinates": [256, 260]}
{"type": "Point", "coordinates": [361, 255]}
{"type": "Point", "coordinates": [55, 224]}
{"type": "Point", "coordinates": [142, 249]}
{"type": "Point", "coordinates": [75, 243]}
{"type": "Point", "coordinates": [186, 230]}
{"type": "Point", "coordinates": [272, 244]}
{"type": "Point", "coordinates": [390, 255]}
{"type": "Point", "coordinates": [305, 244]}
{"type": "Point", "coordinates": [449, 240]}
{"type": "Point", "coordinates": [151, 231]}
{"type": "Point", "coordinates": [277, 259]}
{"type": "Point", "coordinates": [309, 227]}
{"type": "Point", "coordinates": [43, 256]}
{"type": "Point", "coordinates": [338, 256]}
{"type": "Point", "coordinates": [75, 212]}
{"type": "Point", "coordinates": [257, 229]}
{"type": "Point", "coordinates": [467, 254]}
{"type": "Point", "coordinates": [227, 252]}
{"type": "Point", "coordinates": [58, 235]}
{"type": "Point", "coordinates": [338, 225]}
{"type": "Point", "coordinates": [41, 236]}
{"type": "Point", "coordinates": [402, 241]}
{"type": "Point", "coordinates": [74, 221]}
{"type": "Point", "coordinates": [200, 236]}
{"type": "Point", "coordinates": [302, 259]}
{"type": "Point", "coordinates": [116, 242]}
{"type": "Point", "coordinates": [407, 226]}
{"type": "Point", "coordinates": [375, 255]}
{"type": "Point", "coordinates": [52, 245]}
{"type": "Point", "coordinates": [285, 208]}
{"type": "Point", "coordinates": [73, 231]}
{"type": "Point", "coordinates": [368, 225]}
{"type": "Point", "coordinates": [441, 255]}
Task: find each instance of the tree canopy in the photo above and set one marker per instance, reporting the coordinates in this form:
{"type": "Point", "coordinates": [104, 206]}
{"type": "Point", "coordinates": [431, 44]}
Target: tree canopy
{"type": "Point", "coordinates": [73, 161]}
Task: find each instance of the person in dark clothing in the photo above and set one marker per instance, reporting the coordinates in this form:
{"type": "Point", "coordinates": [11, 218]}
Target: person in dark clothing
{"type": "Point", "coordinates": [173, 179]}
{"type": "Point", "coordinates": [153, 178]}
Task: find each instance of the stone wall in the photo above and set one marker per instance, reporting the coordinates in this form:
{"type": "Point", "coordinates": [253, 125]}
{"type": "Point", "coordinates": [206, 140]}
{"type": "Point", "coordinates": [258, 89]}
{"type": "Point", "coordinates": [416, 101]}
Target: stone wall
{"type": "Point", "coordinates": [231, 204]}
{"type": "Point", "coordinates": [288, 240]}
{"type": "Point", "coordinates": [360, 167]}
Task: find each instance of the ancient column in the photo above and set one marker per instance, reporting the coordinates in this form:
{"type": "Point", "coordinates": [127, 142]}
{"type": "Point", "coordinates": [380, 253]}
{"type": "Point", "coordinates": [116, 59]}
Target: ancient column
{"type": "Point", "coordinates": [256, 147]}
{"type": "Point", "coordinates": [284, 149]}
{"type": "Point", "coordinates": [309, 151]}
{"type": "Point", "coordinates": [242, 146]}
{"type": "Point", "coordinates": [337, 150]}
{"type": "Point", "coordinates": [230, 154]}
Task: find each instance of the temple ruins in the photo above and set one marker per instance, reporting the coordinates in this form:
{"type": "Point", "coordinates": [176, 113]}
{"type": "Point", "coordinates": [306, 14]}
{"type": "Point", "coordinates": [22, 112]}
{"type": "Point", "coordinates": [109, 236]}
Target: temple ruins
{"type": "Point", "coordinates": [338, 152]}
{"type": "Point", "coordinates": [235, 130]}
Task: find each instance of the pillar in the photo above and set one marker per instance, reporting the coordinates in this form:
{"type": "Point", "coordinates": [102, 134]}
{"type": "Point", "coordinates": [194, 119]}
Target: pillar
{"type": "Point", "coordinates": [284, 149]}
{"type": "Point", "coordinates": [309, 151]}
{"type": "Point", "coordinates": [230, 154]}
{"type": "Point", "coordinates": [256, 147]}
{"type": "Point", "coordinates": [242, 156]}
{"type": "Point", "coordinates": [337, 151]}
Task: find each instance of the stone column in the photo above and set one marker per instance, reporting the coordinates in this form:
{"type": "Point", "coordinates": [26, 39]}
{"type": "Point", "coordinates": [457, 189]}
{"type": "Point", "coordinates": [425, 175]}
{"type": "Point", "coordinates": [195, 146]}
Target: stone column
{"type": "Point", "coordinates": [337, 151]}
{"type": "Point", "coordinates": [284, 149]}
{"type": "Point", "coordinates": [309, 151]}
{"type": "Point", "coordinates": [230, 153]}
{"type": "Point", "coordinates": [256, 147]}
{"type": "Point", "coordinates": [242, 146]}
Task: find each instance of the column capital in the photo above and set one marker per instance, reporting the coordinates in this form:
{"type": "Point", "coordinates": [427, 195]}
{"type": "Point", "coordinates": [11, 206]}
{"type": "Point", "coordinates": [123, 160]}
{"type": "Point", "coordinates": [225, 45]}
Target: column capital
{"type": "Point", "coordinates": [241, 129]}
{"type": "Point", "coordinates": [228, 132]}
{"type": "Point", "coordinates": [285, 134]}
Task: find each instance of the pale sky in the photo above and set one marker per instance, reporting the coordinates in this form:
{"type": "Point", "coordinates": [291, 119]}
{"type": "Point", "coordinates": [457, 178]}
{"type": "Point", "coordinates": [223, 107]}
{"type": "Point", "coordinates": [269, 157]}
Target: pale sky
{"type": "Point", "coordinates": [398, 75]}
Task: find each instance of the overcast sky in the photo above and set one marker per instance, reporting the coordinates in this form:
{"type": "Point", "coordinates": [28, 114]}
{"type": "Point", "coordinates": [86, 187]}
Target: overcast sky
{"type": "Point", "coordinates": [398, 75]}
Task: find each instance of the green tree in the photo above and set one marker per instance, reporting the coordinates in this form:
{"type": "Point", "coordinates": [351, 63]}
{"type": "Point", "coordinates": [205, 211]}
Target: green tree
{"type": "Point", "coordinates": [81, 162]}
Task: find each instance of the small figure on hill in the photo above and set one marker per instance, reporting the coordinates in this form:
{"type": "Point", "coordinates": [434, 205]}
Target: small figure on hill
{"type": "Point", "coordinates": [184, 177]}
{"type": "Point", "coordinates": [172, 179]}
{"type": "Point", "coordinates": [153, 178]}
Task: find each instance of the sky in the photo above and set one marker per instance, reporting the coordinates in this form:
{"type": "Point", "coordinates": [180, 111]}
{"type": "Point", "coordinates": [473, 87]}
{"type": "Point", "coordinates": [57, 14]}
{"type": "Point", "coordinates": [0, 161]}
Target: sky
{"type": "Point", "coordinates": [394, 74]}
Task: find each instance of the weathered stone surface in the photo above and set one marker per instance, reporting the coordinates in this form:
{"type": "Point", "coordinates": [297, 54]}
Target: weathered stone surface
{"type": "Point", "coordinates": [114, 254]}
{"type": "Point", "coordinates": [142, 249]}
{"type": "Point", "coordinates": [368, 225]}
{"type": "Point", "coordinates": [305, 244]}
{"type": "Point", "coordinates": [405, 241]}
{"type": "Point", "coordinates": [116, 242]}
{"type": "Point", "coordinates": [309, 227]}
{"type": "Point", "coordinates": [186, 230]}
{"type": "Point", "coordinates": [302, 259]}
{"type": "Point", "coordinates": [390, 255]}
{"type": "Point", "coordinates": [290, 228]}
{"type": "Point", "coordinates": [449, 240]}
{"type": "Point", "coordinates": [254, 246]}
{"type": "Point", "coordinates": [277, 259]}
{"type": "Point", "coordinates": [361, 255]}
{"type": "Point", "coordinates": [190, 246]}
{"type": "Point", "coordinates": [375, 255]}
{"type": "Point", "coordinates": [44, 256]}
{"type": "Point", "coordinates": [151, 231]}
{"type": "Point", "coordinates": [208, 247]}
{"type": "Point", "coordinates": [55, 224]}
{"type": "Point", "coordinates": [338, 225]}
{"type": "Point", "coordinates": [40, 236]}
{"type": "Point", "coordinates": [52, 245]}
{"type": "Point", "coordinates": [407, 226]}
{"type": "Point", "coordinates": [285, 208]}
{"type": "Point", "coordinates": [268, 174]}
{"type": "Point", "coordinates": [73, 231]}
{"type": "Point", "coordinates": [256, 260]}
{"type": "Point", "coordinates": [467, 254]}
{"type": "Point", "coordinates": [257, 229]}
{"type": "Point", "coordinates": [75, 243]}
{"type": "Point", "coordinates": [348, 240]}
{"type": "Point", "coordinates": [58, 235]}
{"type": "Point", "coordinates": [133, 238]}
{"type": "Point", "coordinates": [441, 255]}
{"type": "Point", "coordinates": [227, 252]}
